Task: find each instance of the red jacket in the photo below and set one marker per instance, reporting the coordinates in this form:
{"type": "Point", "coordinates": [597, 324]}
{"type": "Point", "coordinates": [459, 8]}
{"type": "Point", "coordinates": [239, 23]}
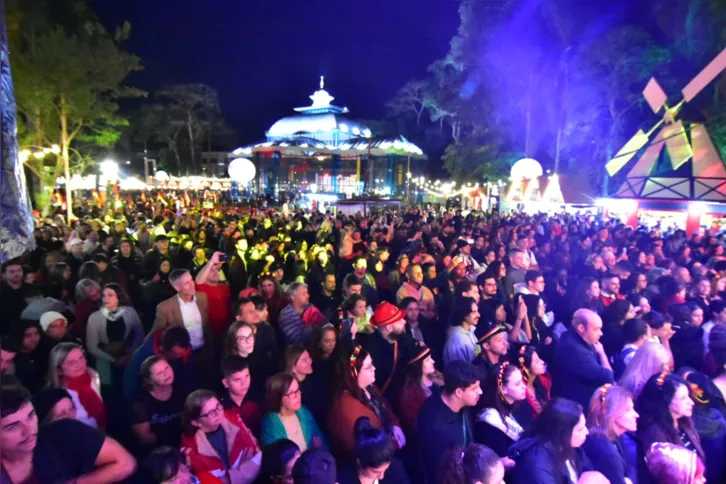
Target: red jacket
{"type": "Point", "coordinates": [250, 412]}
{"type": "Point", "coordinates": [219, 306]}
{"type": "Point", "coordinates": [245, 456]}
{"type": "Point", "coordinates": [410, 401]}
{"type": "Point", "coordinates": [607, 300]}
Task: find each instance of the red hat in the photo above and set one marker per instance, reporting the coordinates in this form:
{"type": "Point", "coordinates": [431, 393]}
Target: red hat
{"type": "Point", "coordinates": [385, 314]}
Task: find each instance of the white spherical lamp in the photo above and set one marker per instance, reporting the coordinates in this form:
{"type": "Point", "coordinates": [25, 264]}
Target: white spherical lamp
{"type": "Point", "coordinates": [526, 168]}
{"type": "Point", "coordinates": [161, 176]}
{"type": "Point", "coordinates": [241, 170]}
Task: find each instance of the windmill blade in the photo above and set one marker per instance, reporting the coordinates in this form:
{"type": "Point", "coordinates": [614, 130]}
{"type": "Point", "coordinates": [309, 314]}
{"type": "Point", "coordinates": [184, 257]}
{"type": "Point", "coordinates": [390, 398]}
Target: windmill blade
{"type": "Point", "coordinates": [706, 160]}
{"type": "Point", "coordinates": [627, 152]}
{"type": "Point", "coordinates": [647, 162]}
{"type": "Point", "coordinates": [704, 78]}
{"type": "Point", "coordinates": [655, 95]}
{"type": "Point", "coordinates": [679, 149]}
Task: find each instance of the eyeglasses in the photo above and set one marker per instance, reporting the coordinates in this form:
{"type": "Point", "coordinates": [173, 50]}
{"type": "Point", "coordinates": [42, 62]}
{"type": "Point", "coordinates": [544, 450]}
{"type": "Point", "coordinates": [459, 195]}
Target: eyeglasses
{"type": "Point", "coordinates": [247, 339]}
{"type": "Point", "coordinates": [292, 394]}
{"type": "Point", "coordinates": [213, 413]}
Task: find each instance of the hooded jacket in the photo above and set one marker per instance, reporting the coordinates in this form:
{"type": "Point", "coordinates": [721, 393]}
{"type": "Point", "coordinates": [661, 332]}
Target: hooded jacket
{"type": "Point", "coordinates": [536, 464]}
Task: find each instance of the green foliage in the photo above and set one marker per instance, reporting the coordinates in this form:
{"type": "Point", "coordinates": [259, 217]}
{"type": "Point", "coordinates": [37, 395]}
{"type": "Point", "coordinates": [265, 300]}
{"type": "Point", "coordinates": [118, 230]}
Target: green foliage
{"type": "Point", "coordinates": [472, 160]}
{"type": "Point", "coordinates": [69, 78]}
{"type": "Point", "coordinates": [560, 80]}
{"type": "Point", "coordinates": [181, 122]}
{"type": "Point", "coordinates": [717, 130]}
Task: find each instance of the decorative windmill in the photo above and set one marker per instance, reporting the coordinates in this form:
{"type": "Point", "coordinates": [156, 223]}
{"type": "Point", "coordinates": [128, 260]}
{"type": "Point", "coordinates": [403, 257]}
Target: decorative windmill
{"type": "Point", "coordinates": [704, 179]}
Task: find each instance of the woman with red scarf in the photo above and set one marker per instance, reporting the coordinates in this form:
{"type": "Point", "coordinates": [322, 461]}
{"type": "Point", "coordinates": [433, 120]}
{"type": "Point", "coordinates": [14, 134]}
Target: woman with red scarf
{"type": "Point", "coordinates": [219, 447]}
{"type": "Point", "coordinates": [68, 370]}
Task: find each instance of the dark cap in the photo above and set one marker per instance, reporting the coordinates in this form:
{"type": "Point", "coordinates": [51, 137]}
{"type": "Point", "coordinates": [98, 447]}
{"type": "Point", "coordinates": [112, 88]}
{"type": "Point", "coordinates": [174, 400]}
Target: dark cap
{"type": "Point", "coordinates": [46, 399]}
{"type": "Point", "coordinates": [485, 332]}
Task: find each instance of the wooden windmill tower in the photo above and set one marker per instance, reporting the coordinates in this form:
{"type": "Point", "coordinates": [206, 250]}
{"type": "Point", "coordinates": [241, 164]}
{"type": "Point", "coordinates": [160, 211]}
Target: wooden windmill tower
{"type": "Point", "coordinates": [693, 168]}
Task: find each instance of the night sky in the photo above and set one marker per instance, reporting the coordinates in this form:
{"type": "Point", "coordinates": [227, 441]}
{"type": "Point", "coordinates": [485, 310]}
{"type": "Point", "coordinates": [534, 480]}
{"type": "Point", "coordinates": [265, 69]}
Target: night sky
{"type": "Point", "coordinates": [265, 56]}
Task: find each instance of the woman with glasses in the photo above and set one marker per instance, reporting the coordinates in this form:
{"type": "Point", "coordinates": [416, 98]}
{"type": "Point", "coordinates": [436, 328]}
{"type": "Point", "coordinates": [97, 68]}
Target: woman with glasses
{"type": "Point", "coordinates": [287, 417]}
{"type": "Point", "coordinates": [217, 445]}
{"type": "Point", "coordinates": [240, 341]}
{"type": "Point", "coordinates": [359, 398]}
{"type": "Point", "coordinates": [68, 369]}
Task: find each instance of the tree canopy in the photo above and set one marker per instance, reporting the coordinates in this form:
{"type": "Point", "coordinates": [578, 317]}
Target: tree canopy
{"type": "Point", "coordinates": [70, 73]}
{"type": "Point", "coordinates": [559, 80]}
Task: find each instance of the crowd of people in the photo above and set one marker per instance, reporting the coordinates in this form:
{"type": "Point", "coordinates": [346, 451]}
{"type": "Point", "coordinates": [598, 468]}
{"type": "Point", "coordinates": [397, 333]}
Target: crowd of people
{"type": "Point", "coordinates": [230, 345]}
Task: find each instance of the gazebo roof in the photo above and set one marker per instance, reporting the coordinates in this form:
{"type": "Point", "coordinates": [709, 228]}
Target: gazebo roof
{"type": "Point", "coordinates": [383, 146]}
{"type": "Point", "coordinates": [305, 146]}
{"type": "Point", "coordinates": [311, 124]}
{"type": "Point", "coordinates": [322, 130]}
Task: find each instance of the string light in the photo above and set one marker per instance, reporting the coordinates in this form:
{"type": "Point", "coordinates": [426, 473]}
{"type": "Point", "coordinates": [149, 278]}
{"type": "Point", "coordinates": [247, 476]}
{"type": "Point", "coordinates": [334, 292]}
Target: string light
{"type": "Point", "coordinates": [444, 189]}
{"type": "Point", "coordinates": [38, 153]}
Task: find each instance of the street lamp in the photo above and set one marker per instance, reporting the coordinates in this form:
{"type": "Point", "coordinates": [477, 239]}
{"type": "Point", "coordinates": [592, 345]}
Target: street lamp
{"type": "Point", "coordinates": [109, 169]}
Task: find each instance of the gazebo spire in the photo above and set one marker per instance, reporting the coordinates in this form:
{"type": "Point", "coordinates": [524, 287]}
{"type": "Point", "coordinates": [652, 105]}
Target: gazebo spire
{"type": "Point", "coordinates": [321, 102]}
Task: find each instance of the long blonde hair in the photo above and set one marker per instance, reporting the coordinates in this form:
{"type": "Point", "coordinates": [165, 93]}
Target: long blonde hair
{"type": "Point", "coordinates": [58, 355]}
{"type": "Point", "coordinates": [607, 404]}
{"type": "Point", "coordinates": [650, 359]}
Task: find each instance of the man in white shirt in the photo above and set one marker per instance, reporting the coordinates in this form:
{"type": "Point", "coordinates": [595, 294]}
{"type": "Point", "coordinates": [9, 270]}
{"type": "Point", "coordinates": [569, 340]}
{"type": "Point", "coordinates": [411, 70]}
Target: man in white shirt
{"type": "Point", "coordinates": [189, 309]}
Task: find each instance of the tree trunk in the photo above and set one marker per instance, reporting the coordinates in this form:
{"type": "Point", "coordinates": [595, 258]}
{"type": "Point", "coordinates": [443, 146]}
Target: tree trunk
{"type": "Point", "coordinates": [418, 116]}
{"type": "Point", "coordinates": [37, 166]}
{"type": "Point", "coordinates": [177, 158]}
{"type": "Point", "coordinates": [455, 130]}
{"type": "Point", "coordinates": [65, 158]}
{"type": "Point", "coordinates": [39, 132]}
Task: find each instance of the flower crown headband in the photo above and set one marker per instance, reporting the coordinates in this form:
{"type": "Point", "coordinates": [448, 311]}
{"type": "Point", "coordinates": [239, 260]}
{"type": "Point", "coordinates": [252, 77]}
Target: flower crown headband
{"type": "Point", "coordinates": [661, 378]}
{"type": "Point", "coordinates": [354, 359]}
{"type": "Point", "coordinates": [599, 403]}
{"type": "Point", "coordinates": [500, 377]}
{"type": "Point", "coordinates": [696, 391]}
{"type": "Point", "coordinates": [522, 366]}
